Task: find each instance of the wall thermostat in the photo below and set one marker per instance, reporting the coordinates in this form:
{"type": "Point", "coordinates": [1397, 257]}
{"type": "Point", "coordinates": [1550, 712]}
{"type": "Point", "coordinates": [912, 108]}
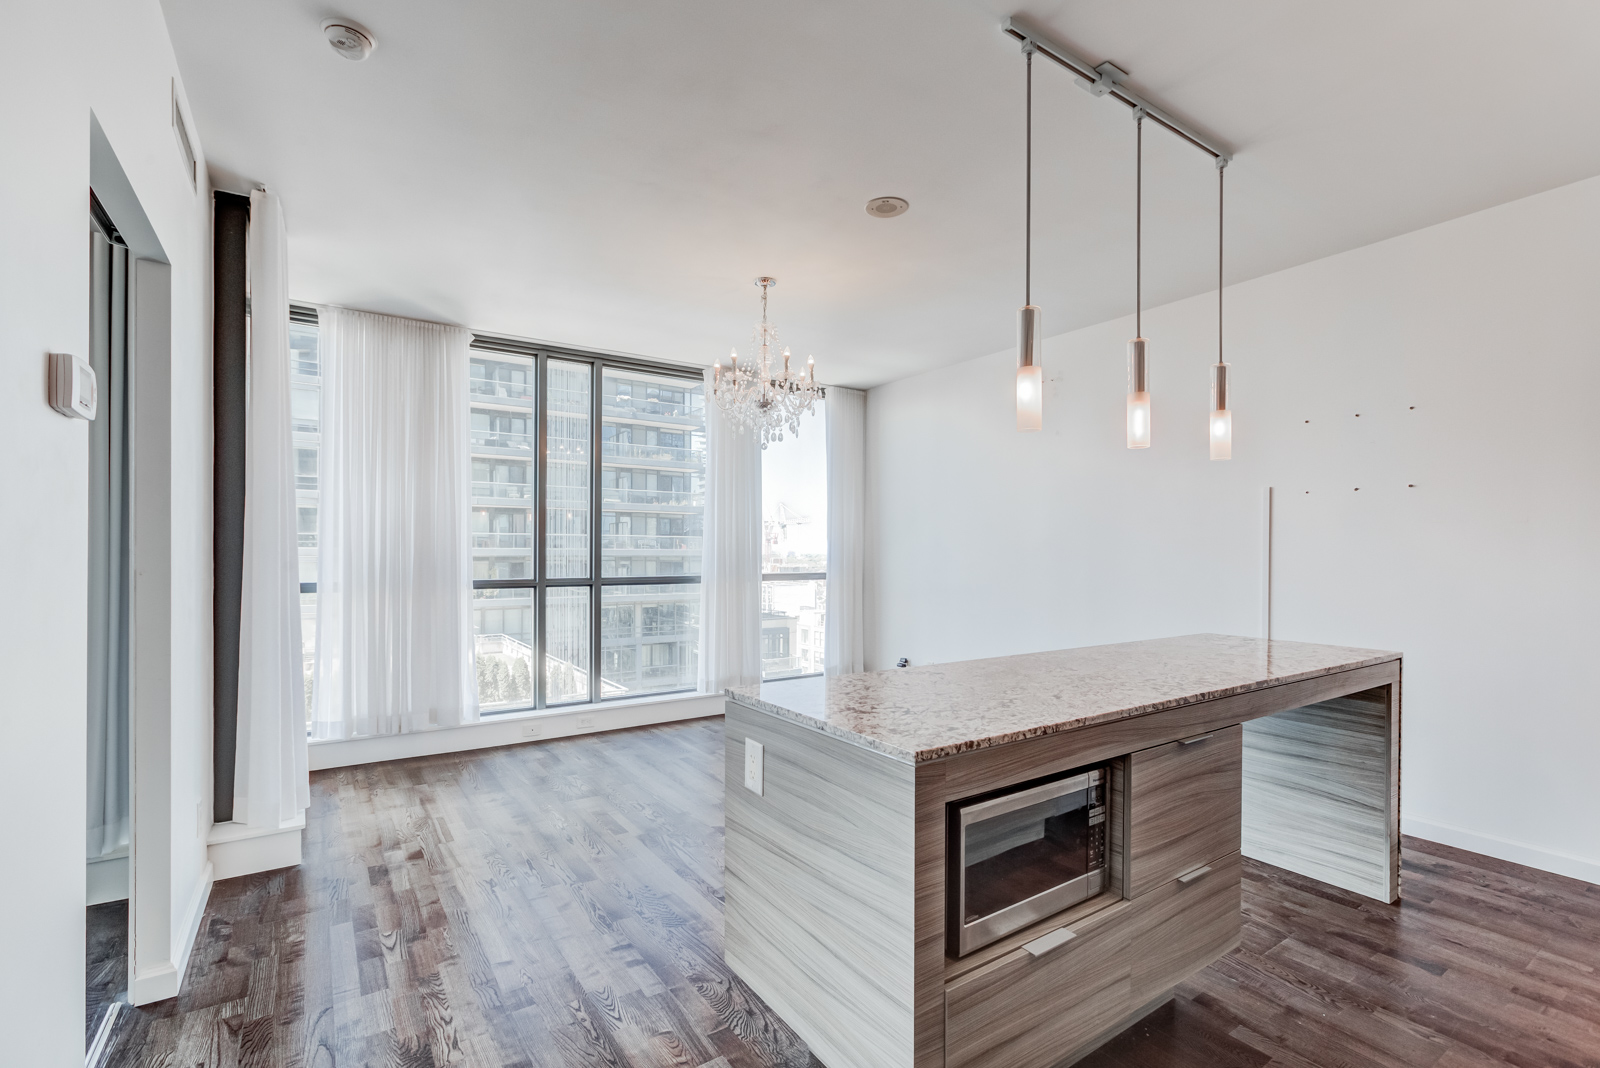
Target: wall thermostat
{"type": "Point", "coordinates": [73, 392]}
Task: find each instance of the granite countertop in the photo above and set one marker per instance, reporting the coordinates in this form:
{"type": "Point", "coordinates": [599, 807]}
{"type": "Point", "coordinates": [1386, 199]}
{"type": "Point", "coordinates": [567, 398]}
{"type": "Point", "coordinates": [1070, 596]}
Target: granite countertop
{"type": "Point", "coordinates": [924, 713]}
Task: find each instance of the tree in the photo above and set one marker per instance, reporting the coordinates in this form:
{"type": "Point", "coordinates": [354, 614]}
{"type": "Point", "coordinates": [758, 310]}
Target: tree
{"type": "Point", "coordinates": [521, 680]}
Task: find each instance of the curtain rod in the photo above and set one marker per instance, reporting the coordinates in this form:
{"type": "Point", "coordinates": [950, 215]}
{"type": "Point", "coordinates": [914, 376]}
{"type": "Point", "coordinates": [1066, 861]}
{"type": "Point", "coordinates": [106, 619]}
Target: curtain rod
{"type": "Point", "coordinates": [1106, 79]}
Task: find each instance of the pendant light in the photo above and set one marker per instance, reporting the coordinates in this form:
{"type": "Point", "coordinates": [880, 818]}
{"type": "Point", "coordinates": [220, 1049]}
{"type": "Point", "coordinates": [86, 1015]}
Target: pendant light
{"type": "Point", "coordinates": [1030, 372]}
{"type": "Point", "coordinates": [1221, 417]}
{"type": "Point", "coordinates": [1138, 380]}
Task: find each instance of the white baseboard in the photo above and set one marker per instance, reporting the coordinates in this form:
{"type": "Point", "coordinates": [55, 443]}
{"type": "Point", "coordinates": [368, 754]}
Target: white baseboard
{"type": "Point", "coordinates": [107, 879]}
{"type": "Point", "coordinates": [1504, 849]}
{"type": "Point", "coordinates": [515, 728]}
{"type": "Point", "coordinates": [165, 979]}
{"type": "Point", "coordinates": [236, 850]}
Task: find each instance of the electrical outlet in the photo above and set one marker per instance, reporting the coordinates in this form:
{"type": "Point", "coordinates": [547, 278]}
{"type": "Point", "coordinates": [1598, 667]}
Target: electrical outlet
{"type": "Point", "coordinates": [586, 723]}
{"type": "Point", "coordinates": [533, 730]}
{"type": "Point", "coordinates": [754, 756]}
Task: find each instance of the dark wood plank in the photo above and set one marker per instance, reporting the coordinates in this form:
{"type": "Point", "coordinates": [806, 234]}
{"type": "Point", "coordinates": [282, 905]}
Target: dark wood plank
{"type": "Point", "coordinates": [559, 904]}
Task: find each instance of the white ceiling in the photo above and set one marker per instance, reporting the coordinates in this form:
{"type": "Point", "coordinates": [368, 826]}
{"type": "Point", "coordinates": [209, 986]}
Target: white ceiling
{"type": "Point", "coordinates": [614, 173]}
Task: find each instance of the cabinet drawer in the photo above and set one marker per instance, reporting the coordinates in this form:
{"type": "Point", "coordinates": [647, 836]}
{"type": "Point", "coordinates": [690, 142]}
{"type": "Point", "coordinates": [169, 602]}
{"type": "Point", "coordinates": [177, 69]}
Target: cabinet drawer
{"type": "Point", "coordinates": [1029, 1012]}
{"type": "Point", "coordinates": [1183, 807]}
{"type": "Point", "coordinates": [1183, 926]}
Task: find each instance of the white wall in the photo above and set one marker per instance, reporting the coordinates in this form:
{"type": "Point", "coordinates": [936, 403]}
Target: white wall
{"type": "Point", "coordinates": [1469, 350]}
{"type": "Point", "coordinates": [60, 59]}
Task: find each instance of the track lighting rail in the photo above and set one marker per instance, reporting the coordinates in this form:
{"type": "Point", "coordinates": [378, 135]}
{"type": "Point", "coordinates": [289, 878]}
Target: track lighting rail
{"type": "Point", "coordinates": [1107, 79]}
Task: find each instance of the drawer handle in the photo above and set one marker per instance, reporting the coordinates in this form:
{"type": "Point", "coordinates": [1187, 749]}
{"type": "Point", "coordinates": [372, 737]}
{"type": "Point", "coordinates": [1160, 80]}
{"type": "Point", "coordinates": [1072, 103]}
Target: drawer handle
{"type": "Point", "coordinates": [1196, 739]}
{"type": "Point", "coordinates": [1045, 943]}
{"type": "Point", "coordinates": [1190, 876]}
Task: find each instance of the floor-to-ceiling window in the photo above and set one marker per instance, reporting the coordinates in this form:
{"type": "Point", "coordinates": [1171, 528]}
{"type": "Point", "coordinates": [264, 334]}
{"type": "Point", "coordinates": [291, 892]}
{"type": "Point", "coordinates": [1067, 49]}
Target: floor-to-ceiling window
{"type": "Point", "coordinates": [588, 501]}
{"type": "Point", "coordinates": [652, 507]}
{"type": "Point", "coordinates": [794, 550]}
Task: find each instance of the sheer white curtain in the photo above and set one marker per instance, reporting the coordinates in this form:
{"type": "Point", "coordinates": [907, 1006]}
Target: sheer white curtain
{"type": "Point", "coordinates": [730, 613]}
{"type": "Point", "coordinates": [271, 786]}
{"type": "Point", "coordinates": [847, 502]}
{"type": "Point", "coordinates": [394, 571]}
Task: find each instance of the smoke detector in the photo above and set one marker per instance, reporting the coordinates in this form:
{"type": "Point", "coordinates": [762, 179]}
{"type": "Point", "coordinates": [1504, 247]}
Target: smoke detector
{"type": "Point", "coordinates": [887, 207]}
{"type": "Point", "coordinates": [349, 40]}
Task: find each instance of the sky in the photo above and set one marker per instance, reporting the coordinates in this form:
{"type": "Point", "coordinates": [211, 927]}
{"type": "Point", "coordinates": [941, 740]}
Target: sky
{"type": "Point", "coordinates": [795, 472]}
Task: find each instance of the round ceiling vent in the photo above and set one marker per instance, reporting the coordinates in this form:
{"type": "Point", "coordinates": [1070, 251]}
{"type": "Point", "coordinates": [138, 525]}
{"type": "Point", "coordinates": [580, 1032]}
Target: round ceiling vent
{"type": "Point", "coordinates": [349, 40]}
{"type": "Point", "coordinates": [887, 207]}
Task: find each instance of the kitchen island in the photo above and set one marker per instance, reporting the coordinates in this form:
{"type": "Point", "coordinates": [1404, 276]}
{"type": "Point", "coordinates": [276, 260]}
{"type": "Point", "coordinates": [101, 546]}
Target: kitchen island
{"type": "Point", "coordinates": [842, 803]}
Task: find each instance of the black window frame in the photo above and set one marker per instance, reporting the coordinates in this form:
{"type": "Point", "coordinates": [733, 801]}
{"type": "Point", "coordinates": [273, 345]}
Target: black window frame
{"type": "Point", "coordinates": [538, 583]}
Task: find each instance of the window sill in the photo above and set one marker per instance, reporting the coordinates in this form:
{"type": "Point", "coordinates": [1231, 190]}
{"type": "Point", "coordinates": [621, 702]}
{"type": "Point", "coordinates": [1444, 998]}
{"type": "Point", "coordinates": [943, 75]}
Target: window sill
{"type": "Point", "coordinates": [512, 728]}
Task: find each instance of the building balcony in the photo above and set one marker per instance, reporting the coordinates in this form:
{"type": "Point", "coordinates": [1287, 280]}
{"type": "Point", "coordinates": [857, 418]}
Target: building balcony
{"type": "Point", "coordinates": [515, 491]}
{"type": "Point", "coordinates": [679, 414]}
{"type": "Point", "coordinates": [496, 540]}
{"type": "Point", "coordinates": [624, 450]}
{"type": "Point", "coordinates": [652, 542]}
{"type": "Point", "coordinates": [684, 499]}
{"type": "Point", "coordinates": [779, 666]}
{"type": "Point", "coordinates": [677, 632]}
{"type": "Point", "coordinates": [514, 391]}
{"type": "Point", "coordinates": [522, 443]}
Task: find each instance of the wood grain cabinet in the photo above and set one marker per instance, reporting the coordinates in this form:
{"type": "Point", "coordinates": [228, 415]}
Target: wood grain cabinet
{"type": "Point", "coordinates": [837, 865]}
{"type": "Point", "coordinates": [1184, 925]}
{"type": "Point", "coordinates": [1009, 1014]}
{"type": "Point", "coordinates": [1183, 806]}
{"type": "Point", "coordinates": [1023, 1011]}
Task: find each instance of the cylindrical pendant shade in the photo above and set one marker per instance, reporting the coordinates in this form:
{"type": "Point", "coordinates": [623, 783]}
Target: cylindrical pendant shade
{"type": "Point", "coordinates": [1030, 398]}
{"type": "Point", "coordinates": [1030, 372]}
{"type": "Point", "coordinates": [1222, 435]}
{"type": "Point", "coordinates": [1138, 396]}
{"type": "Point", "coordinates": [1221, 418]}
{"type": "Point", "coordinates": [1138, 420]}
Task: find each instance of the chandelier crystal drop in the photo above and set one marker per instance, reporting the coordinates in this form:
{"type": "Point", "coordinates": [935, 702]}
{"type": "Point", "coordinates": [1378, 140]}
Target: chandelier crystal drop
{"type": "Point", "coordinates": [764, 394]}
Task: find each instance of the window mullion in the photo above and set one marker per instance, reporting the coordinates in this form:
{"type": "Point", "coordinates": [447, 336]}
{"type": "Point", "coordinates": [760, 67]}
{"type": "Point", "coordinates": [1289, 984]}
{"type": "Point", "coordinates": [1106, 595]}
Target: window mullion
{"type": "Point", "coordinates": [541, 524]}
{"type": "Point", "coordinates": [594, 530]}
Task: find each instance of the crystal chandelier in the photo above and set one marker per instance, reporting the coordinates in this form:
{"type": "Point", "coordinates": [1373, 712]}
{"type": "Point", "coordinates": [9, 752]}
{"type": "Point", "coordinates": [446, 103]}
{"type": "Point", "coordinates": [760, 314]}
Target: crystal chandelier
{"type": "Point", "coordinates": [760, 395]}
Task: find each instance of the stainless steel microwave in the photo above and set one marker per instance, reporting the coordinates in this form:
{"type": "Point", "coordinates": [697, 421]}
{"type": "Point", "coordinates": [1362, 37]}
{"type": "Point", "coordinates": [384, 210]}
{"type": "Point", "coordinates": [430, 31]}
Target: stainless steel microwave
{"type": "Point", "coordinates": [1023, 855]}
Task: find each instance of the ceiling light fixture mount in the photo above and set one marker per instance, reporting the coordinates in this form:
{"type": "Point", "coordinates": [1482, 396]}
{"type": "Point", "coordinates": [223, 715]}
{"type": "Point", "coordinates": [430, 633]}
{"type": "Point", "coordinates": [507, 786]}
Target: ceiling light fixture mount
{"type": "Point", "coordinates": [1109, 80]}
{"type": "Point", "coordinates": [350, 40]}
{"type": "Point", "coordinates": [887, 207]}
{"type": "Point", "coordinates": [764, 395]}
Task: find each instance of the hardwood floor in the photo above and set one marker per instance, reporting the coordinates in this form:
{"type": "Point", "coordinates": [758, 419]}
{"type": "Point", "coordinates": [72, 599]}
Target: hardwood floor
{"type": "Point", "coordinates": [559, 904]}
{"type": "Point", "coordinates": [106, 978]}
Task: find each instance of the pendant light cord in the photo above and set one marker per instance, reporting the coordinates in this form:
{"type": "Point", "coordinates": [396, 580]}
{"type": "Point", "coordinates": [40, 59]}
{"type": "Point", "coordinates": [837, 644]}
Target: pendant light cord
{"type": "Point", "coordinates": [1138, 226]}
{"type": "Point", "coordinates": [1027, 240]}
{"type": "Point", "coordinates": [1221, 169]}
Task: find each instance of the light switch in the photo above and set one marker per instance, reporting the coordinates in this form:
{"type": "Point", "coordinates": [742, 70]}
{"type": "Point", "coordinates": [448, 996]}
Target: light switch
{"type": "Point", "coordinates": [753, 754]}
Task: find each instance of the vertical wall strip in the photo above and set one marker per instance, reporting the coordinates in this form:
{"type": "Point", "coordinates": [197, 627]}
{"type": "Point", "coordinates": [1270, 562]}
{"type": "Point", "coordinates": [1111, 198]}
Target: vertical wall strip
{"type": "Point", "coordinates": [229, 377]}
{"type": "Point", "coordinates": [1266, 563]}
